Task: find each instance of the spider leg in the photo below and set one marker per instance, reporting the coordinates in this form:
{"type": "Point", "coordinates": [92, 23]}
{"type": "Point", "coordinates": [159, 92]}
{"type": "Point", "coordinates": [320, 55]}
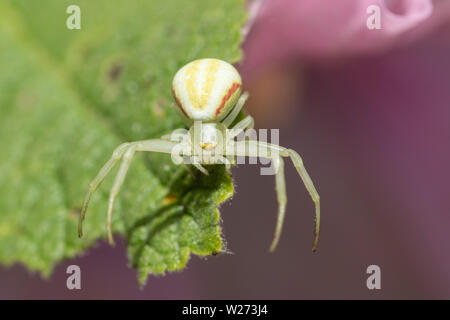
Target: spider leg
{"type": "Point", "coordinates": [147, 145]}
{"type": "Point", "coordinates": [120, 177]}
{"type": "Point", "coordinates": [117, 154]}
{"type": "Point", "coordinates": [298, 163]}
{"type": "Point", "coordinates": [244, 124]}
{"type": "Point", "coordinates": [188, 169]}
{"type": "Point", "coordinates": [126, 150]}
{"type": "Point", "coordinates": [176, 136]}
{"type": "Point", "coordinates": [196, 163]}
{"type": "Point", "coordinates": [168, 137]}
{"type": "Point", "coordinates": [235, 112]}
{"type": "Point", "coordinates": [280, 187]}
{"type": "Point", "coordinates": [250, 148]}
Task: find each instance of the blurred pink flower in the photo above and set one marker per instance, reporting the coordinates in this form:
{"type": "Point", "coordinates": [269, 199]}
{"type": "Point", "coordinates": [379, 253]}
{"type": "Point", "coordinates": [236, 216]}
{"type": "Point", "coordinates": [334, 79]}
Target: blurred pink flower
{"type": "Point", "coordinates": [314, 29]}
{"type": "Point", "coordinates": [377, 116]}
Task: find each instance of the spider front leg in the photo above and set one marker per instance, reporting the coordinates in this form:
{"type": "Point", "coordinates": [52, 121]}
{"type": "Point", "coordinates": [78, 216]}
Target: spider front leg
{"type": "Point", "coordinates": [127, 151]}
{"type": "Point", "coordinates": [120, 177]}
{"type": "Point", "coordinates": [280, 187]}
{"type": "Point", "coordinates": [236, 109]}
{"type": "Point", "coordinates": [117, 154]}
{"type": "Point", "coordinates": [247, 123]}
{"type": "Point", "coordinates": [252, 149]}
{"type": "Point", "coordinates": [298, 163]}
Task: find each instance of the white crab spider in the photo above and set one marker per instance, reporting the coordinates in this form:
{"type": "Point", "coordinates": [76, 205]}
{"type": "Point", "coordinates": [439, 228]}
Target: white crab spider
{"type": "Point", "coordinates": [207, 92]}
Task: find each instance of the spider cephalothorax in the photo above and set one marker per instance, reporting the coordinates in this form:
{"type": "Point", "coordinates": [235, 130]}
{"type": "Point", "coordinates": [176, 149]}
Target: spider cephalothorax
{"type": "Point", "coordinates": [207, 92]}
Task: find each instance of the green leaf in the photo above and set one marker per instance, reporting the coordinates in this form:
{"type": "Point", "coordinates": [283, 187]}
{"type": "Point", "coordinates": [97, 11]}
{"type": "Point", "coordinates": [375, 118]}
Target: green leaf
{"type": "Point", "coordinates": [69, 97]}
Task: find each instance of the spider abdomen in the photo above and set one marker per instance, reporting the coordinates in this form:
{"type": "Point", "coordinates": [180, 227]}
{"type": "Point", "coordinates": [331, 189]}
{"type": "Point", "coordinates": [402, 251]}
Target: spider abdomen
{"type": "Point", "coordinates": [206, 89]}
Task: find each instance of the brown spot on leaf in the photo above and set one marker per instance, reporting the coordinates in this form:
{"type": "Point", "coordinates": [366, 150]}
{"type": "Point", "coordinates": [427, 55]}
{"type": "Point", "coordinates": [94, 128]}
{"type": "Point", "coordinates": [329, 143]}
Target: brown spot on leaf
{"type": "Point", "coordinates": [115, 71]}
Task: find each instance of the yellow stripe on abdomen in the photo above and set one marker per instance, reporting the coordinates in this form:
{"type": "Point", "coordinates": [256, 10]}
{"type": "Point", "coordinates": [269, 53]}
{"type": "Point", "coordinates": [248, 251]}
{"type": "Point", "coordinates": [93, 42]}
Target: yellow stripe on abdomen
{"type": "Point", "coordinates": [191, 77]}
{"type": "Point", "coordinates": [199, 98]}
{"type": "Point", "coordinates": [210, 79]}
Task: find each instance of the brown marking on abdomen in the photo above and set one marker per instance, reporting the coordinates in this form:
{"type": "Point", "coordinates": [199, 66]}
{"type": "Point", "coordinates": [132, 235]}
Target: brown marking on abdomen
{"type": "Point", "coordinates": [179, 103]}
{"type": "Point", "coordinates": [225, 98]}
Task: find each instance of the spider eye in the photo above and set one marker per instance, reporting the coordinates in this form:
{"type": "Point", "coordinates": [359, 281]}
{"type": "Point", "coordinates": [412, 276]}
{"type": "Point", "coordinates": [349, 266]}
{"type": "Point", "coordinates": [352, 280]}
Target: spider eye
{"type": "Point", "coordinates": [206, 89]}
